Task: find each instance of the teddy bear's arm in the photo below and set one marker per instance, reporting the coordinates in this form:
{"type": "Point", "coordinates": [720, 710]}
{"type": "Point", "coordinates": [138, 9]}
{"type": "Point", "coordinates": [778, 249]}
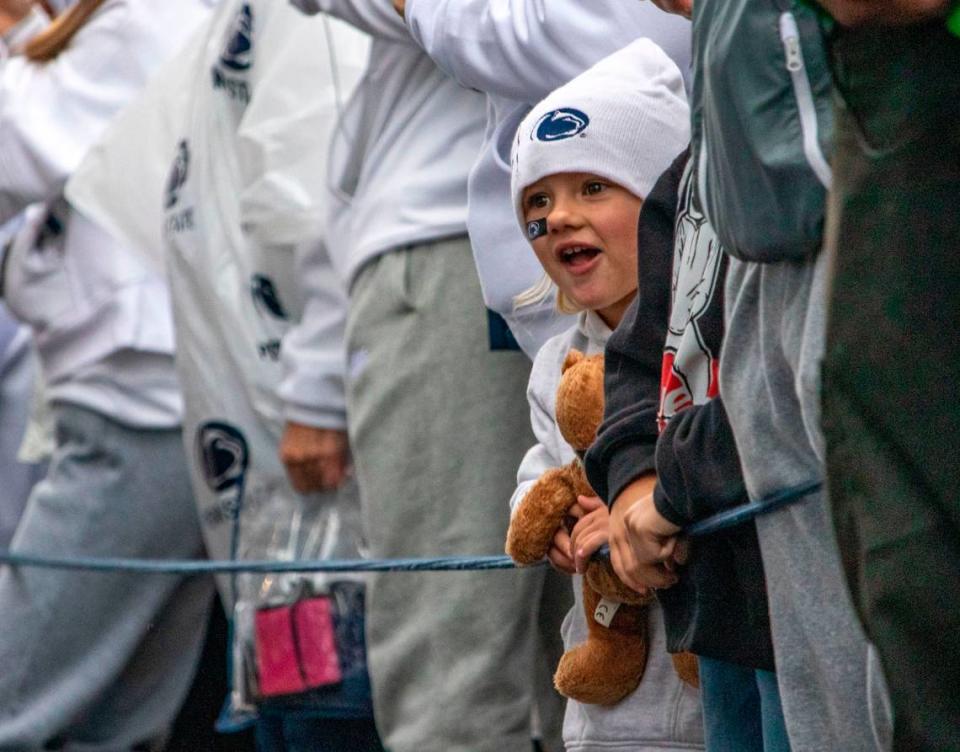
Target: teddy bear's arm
{"type": "Point", "coordinates": [540, 514]}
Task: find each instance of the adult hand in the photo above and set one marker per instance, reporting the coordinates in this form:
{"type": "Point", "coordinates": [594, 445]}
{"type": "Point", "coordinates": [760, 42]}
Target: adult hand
{"type": "Point", "coordinates": [884, 12]}
{"type": "Point", "coordinates": [679, 7]}
{"type": "Point", "coordinates": [12, 12]}
{"type": "Point", "coordinates": [643, 544]}
{"type": "Point", "coordinates": [316, 459]}
{"type": "Point", "coordinates": [591, 532]}
{"type": "Point", "coordinates": [400, 6]}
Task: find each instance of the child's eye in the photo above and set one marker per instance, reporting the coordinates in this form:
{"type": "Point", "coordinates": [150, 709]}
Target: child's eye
{"type": "Point", "coordinates": [594, 187]}
{"type": "Point", "coordinates": [537, 201]}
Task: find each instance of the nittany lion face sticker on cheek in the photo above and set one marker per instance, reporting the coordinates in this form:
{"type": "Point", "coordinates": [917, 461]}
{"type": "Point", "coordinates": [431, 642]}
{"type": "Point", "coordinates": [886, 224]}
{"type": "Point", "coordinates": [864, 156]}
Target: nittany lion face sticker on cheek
{"type": "Point", "coordinates": [536, 228]}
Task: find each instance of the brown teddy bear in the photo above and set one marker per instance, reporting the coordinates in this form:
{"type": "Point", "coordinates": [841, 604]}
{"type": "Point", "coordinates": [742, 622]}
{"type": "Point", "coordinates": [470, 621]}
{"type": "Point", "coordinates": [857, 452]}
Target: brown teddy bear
{"type": "Point", "coordinates": [609, 665]}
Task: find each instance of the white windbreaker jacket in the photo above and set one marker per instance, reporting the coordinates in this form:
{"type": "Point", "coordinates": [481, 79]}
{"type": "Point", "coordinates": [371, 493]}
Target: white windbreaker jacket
{"type": "Point", "coordinates": [256, 302]}
{"type": "Point", "coordinates": [517, 52]}
{"type": "Point", "coordinates": [83, 293]}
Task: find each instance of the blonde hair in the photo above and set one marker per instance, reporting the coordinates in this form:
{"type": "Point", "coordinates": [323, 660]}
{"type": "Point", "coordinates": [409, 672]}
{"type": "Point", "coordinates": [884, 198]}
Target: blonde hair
{"type": "Point", "coordinates": [54, 39]}
{"type": "Point", "coordinates": [541, 291]}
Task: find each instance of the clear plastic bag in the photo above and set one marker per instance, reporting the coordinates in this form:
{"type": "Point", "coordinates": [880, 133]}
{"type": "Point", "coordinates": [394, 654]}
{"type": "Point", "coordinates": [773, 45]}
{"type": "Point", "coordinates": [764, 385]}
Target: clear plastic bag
{"type": "Point", "coordinates": [298, 632]}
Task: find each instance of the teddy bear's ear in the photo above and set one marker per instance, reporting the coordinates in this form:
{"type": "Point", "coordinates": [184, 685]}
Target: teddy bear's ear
{"type": "Point", "coordinates": [573, 357]}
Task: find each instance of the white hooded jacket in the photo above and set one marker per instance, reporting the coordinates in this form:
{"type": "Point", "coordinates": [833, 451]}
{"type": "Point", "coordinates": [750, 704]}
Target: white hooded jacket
{"type": "Point", "coordinates": [90, 302]}
{"type": "Point", "coordinates": [400, 156]}
{"type": "Point", "coordinates": [517, 52]}
{"type": "Point", "coordinates": [235, 215]}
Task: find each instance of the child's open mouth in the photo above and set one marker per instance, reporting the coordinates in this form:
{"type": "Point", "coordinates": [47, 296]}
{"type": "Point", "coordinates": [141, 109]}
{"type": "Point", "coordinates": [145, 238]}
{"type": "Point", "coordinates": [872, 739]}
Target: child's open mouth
{"type": "Point", "coordinates": [578, 257]}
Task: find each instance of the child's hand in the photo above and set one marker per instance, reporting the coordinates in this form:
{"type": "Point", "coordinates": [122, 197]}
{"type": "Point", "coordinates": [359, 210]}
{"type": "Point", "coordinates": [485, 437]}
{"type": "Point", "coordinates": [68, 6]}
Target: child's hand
{"type": "Point", "coordinates": [643, 544]}
{"type": "Point", "coordinates": [591, 532]}
{"type": "Point", "coordinates": [559, 555]}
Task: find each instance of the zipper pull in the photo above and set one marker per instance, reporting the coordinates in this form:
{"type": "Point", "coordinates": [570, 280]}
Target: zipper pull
{"type": "Point", "coordinates": [790, 37]}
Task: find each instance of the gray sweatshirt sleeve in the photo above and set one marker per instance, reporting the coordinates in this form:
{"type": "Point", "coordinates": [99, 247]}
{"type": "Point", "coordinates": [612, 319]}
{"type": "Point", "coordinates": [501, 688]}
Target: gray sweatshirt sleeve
{"type": "Point", "coordinates": [551, 450]}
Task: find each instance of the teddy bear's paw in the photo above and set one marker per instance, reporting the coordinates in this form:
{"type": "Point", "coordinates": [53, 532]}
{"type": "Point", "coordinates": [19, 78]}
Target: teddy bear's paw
{"type": "Point", "coordinates": [685, 664]}
{"type": "Point", "coordinates": [536, 521]}
{"type": "Point", "coordinates": [522, 554]}
{"type": "Point", "coordinates": [601, 673]}
{"type": "Point", "coordinates": [528, 544]}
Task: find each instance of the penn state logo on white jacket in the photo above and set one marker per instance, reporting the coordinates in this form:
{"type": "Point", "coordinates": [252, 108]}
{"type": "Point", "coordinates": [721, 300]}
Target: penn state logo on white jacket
{"type": "Point", "coordinates": [229, 72]}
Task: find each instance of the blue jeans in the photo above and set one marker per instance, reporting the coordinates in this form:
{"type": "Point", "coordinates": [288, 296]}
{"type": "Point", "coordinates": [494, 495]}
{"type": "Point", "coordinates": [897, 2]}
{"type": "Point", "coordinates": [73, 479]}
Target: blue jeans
{"type": "Point", "coordinates": [293, 733]}
{"type": "Point", "coordinates": [741, 709]}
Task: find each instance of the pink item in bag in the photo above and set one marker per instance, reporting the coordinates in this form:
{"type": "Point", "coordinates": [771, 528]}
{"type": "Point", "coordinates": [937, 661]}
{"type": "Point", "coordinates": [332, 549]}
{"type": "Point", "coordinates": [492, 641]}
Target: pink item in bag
{"type": "Point", "coordinates": [296, 647]}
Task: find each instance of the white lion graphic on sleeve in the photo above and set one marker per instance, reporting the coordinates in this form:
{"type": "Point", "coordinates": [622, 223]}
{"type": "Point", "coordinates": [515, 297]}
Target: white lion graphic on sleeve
{"type": "Point", "coordinates": [690, 369]}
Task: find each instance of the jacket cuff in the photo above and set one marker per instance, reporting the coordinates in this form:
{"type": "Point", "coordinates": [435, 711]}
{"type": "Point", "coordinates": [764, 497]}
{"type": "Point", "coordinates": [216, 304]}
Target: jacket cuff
{"type": "Point", "coordinates": [625, 467]}
{"type": "Point", "coordinates": [315, 417]}
{"type": "Point", "coordinates": [666, 510]}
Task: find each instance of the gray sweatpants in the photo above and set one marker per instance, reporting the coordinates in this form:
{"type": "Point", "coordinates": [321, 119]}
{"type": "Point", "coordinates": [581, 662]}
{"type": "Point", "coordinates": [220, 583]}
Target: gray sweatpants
{"type": "Point", "coordinates": [438, 425]}
{"type": "Point", "coordinates": [17, 371]}
{"type": "Point", "coordinates": [830, 682]}
{"type": "Point", "coordinates": [100, 661]}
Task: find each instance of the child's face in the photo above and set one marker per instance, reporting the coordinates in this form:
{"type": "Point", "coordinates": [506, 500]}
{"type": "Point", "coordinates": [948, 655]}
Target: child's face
{"type": "Point", "coordinates": [590, 246]}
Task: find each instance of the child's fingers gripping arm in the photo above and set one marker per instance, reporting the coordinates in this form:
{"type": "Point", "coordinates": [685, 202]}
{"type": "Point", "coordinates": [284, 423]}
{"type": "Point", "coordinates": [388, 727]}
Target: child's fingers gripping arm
{"type": "Point", "coordinates": [559, 555]}
{"type": "Point", "coordinates": [591, 532]}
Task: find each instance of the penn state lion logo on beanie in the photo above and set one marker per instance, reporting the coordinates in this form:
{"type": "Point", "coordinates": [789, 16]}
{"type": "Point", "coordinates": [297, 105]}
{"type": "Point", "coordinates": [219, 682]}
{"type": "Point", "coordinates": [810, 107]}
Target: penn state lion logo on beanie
{"type": "Point", "coordinates": [559, 124]}
{"type": "Point", "coordinates": [625, 119]}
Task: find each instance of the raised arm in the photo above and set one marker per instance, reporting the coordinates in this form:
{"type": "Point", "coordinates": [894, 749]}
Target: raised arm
{"type": "Point", "coordinates": [374, 17]}
{"type": "Point", "coordinates": [523, 49]}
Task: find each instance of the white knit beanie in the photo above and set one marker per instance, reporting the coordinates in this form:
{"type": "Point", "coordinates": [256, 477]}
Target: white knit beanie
{"type": "Point", "coordinates": [625, 119]}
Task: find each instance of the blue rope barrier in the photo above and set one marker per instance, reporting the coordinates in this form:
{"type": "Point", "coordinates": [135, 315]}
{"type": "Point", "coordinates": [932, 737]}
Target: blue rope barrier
{"type": "Point", "coordinates": [174, 566]}
{"type": "Point", "coordinates": [733, 517]}
{"type": "Point", "coordinates": [738, 515]}
{"type": "Point", "coordinates": [722, 521]}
